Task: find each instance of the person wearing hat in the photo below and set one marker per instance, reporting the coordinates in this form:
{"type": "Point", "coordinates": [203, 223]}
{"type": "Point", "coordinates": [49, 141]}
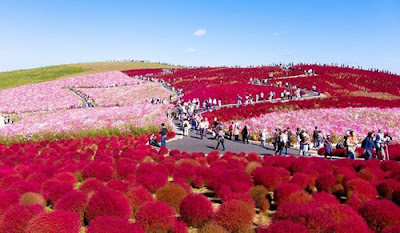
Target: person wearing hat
{"type": "Point", "coordinates": [328, 146]}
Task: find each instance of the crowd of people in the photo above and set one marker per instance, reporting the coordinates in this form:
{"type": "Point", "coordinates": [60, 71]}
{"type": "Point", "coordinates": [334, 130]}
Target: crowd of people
{"type": "Point", "coordinates": [6, 120]}
{"type": "Point", "coordinates": [89, 102]}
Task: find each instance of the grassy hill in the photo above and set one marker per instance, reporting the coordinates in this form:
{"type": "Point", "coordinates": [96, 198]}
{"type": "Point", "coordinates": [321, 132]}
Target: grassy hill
{"type": "Point", "coordinates": [42, 74]}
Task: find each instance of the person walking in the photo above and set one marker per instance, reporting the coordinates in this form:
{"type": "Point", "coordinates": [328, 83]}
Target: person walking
{"type": "Point", "coordinates": [368, 144]}
{"type": "Point", "coordinates": [351, 143]}
{"type": "Point", "coordinates": [328, 146]}
{"type": "Point", "coordinates": [245, 135]}
{"type": "Point", "coordinates": [304, 143]}
{"type": "Point", "coordinates": [163, 132]}
{"type": "Point", "coordinates": [202, 127]}
{"type": "Point", "coordinates": [231, 130]}
{"type": "Point", "coordinates": [263, 137]}
{"type": "Point", "coordinates": [379, 144]}
{"type": "Point", "coordinates": [186, 127]}
{"type": "Point", "coordinates": [221, 139]}
{"type": "Point", "coordinates": [236, 131]}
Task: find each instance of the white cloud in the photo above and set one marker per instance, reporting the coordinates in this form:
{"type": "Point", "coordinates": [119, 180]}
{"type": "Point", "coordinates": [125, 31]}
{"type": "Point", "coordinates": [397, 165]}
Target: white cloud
{"type": "Point", "coordinates": [200, 32]}
{"type": "Point", "coordinates": [191, 50]}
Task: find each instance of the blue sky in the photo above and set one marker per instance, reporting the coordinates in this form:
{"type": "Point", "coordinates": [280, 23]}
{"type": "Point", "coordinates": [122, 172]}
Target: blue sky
{"type": "Point", "coordinates": [39, 33]}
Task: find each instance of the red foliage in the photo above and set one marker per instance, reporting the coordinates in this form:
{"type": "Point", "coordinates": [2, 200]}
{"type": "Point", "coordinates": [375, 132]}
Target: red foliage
{"type": "Point", "coordinates": [56, 221]}
{"type": "Point", "coordinates": [53, 190]}
{"type": "Point", "coordinates": [326, 183]}
{"type": "Point", "coordinates": [118, 185]}
{"type": "Point", "coordinates": [16, 218]}
{"type": "Point", "coordinates": [235, 216]}
{"type": "Point", "coordinates": [106, 202]}
{"type": "Point", "coordinates": [100, 171]}
{"type": "Point", "coordinates": [306, 181]}
{"type": "Point", "coordinates": [325, 197]}
{"type": "Point", "coordinates": [179, 227]}
{"type": "Point", "coordinates": [283, 226]}
{"type": "Point", "coordinates": [360, 189]}
{"type": "Point", "coordinates": [387, 187]}
{"type": "Point", "coordinates": [91, 185]}
{"type": "Point", "coordinates": [196, 209]}
{"type": "Point", "coordinates": [315, 220]}
{"type": "Point", "coordinates": [153, 180]}
{"type": "Point", "coordinates": [156, 217]}
{"type": "Point", "coordinates": [74, 202]}
{"type": "Point", "coordinates": [392, 229]}
{"type": "Point", "coordinates": [138, 196]}
{"type": "Point", "coordinates": [380, 214]}
{"type": "Point", "coordinates": [270, 177]}
{"type": "Point", "coordinates": [8, 198]}
{"type": "Point", "coordinates": [106, 224]}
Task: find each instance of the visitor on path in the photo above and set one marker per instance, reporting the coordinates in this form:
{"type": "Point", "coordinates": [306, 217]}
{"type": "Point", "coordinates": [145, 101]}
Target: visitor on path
{"type": "Point", "coordinates": [319, 139]}
{"type": "Point", "coordinates": [202, 127]}
{"type": "Point", "coordinates": [285, 140]}
{"type": "Point", "coordinates": [263, 137]}
{"type": "Point", "coordinates": [304, 143]}
{"type": "Point", "coordinates": [236, 131]}
{"type": "Point", "coordinates": [245, 135]}
{"type": "Point", "coordinates": [289, 135]}
{"type": "Point", "coordinates": [298, 132]}
{"type": "Point", "coordinates": [186, 127]}
{"type": "Point", "coordinates": [314, 137]}
{"type": "Point", "coordinates": [328, 146]}
{"type": "Point", "coordinates": [368, 144]}
{"type": "Point", "coordinates": [387, 140]}
{"type": "Point", "coordinates": [351, 143]}
{"type": "Point", "coordinates": [379, 144]}
{"type": "Point", "coordinates": [221, 135]}
{"type": "Point", "coordinates": [163, 132]}
{"type": "Point", "coordinates": [230, 128]}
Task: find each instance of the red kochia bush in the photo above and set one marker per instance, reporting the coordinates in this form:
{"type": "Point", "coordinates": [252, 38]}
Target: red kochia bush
{"type": "Point", "coordinates": [360, 189]}
{"type": "Point", "coordinates": [180, 227]}
{"type": "Point", "coordinates": [380, 214]}
{"type": "Point", "coordinates": [106, 202]}
{"type": "Point", "coordinates": [55, 189]}
{"type": "Point", "coordinates": [235, 216]}
{"type": "Point", "coordinates": [314, 219]}
{"type": "Point", "coordinates": [283, 191]}
{"type": "Point", "coordinates": [392, 229]}
{"type": "Point", "coordinates": [196, 209]}
{"type": "Point", "coordinates": [306, 181]}
{"type": "Point", "coordinates": [107, 224]}
{"type": "Point", "coordinates": [387, 187]}
{"type": "Point", "coordinates": [172, 194]}
{"type": "Point", "coordinates": [138, 196]}
{"type": "Point", "coordinates": [17, 216]}
{"type": "Point", "coordinates": [352, 227]}
{"type": "Point", "coordinates": [325, 197]}
{"type": "Point", "coordinates": [91, 185]}
{"type": "Point", "coordinates": [270, 177]}
{"type": "Point", "coordinates": [56, 221]}
{"type": "Point", "coordinates": [326, 183]}
{"type": "Point", "coordinates": [74, 202]}
{"type": "Point", "coordinates": [283, 226]}
{"type": "Point", "coordinates": [156, 217]}
{"type": "Point", "coordinates": [153, 180]}
{"type": "Point", "coordinates": [8, 198]}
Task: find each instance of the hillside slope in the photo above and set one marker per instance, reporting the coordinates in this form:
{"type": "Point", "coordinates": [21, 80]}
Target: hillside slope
{"type": "Point", "coordinates": [42, 74]}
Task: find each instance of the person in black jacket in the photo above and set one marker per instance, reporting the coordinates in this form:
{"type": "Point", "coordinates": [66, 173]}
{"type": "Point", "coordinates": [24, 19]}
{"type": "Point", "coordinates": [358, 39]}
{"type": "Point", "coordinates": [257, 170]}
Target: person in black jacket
{"type": "Point", "coordinates": [368, 144]}
{"type": "Point", "coordinates": [245, 135]}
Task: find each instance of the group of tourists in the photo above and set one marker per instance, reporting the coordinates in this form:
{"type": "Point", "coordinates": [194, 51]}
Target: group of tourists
{"type": "Point", "coordinates": [89, 102]}
{"type": "Point", "coordinates": [5, 120]}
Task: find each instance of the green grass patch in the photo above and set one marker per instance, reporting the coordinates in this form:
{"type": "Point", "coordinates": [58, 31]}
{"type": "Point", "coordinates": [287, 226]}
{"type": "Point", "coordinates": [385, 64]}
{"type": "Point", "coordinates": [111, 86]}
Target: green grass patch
{"type": "Point", "coordinates": [23, 77]}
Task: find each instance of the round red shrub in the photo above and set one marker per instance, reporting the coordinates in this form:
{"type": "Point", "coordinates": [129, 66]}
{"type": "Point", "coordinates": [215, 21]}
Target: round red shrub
{"type": "Point", "coordinates": [352, 227]}
{"type": "Point", "coordinates": [156, 217]}
{"type": "Point", "coordinates": [387, 187]}
{"type": "Point", "coordinates": [360, 190]}
{"type": "Point", "coordinates": [56, 221]}
{"type": "Point", "coordinates": [396, 196]}
{"type": "Point", "coordinates": [74, 202]}
{"type": "Point", "coordinates": [138, 196]}
{"type": "Point", "coordinates": [326, 183]}
{"type": "Point", "coordinates": [153, 180]}
{"type": "Point", "coordinates": [212, 227]}
{"type": "Point", "coordinates": [17, 216]}
{"type": "Point", "coordinates": [172, 194]}
{"type": "Point", "coordinates": [31, 198]}
{"type": "Point", "coordinates": [107, 224]}
{"type": "Point", "coordinates": [100, 171]}
{"type": "Point", "coordinates": [91, 185]}
{"type": "Point", "coordinates": [196, 209]}
{"type": "Point", "coordinates": [270, 177]}
{"type": "Point", "coordinates": [8, 198]}
{"type": "Point", "coordinates": [235, 216]}
{"type": "Point", "coordinates": [283, 226]}
{"type": "Point", "coordinates": [53, 190]}
{"type": "Point", "coordinates": [325, 197]}
{"type": "Point", "coordinates": [232, 178]}
{"type": "Point", "coordinates": [106, 202]}
{"type": "Point", "coordinates": [306, 181]}
{"type": "Point", "coordinates": [314, 219]}
{"type": "Point", "coordinates": [380, 214]}
{"type": "Point", "coordinates": [66, 177]}
{"type": "Point", "coordinates": [283, 191]}
{"type": "Point", "coordinates": [179, 227]}
{"type": "Point", "coordinates": [118, 185]}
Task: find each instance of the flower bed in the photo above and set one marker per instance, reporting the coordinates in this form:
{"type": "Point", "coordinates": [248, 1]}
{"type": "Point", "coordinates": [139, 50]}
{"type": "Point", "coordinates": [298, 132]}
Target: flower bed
{"type": "Point", "coordinates": [88, 184]}
{"type": "Point", "coordinates": [54, 95]}
{"type": "Point", "coordinates": [335, 121]}
{"type": "Point", "coordinates": [126, 95]}
{"type": "Point", "coordinates": [137, 118]}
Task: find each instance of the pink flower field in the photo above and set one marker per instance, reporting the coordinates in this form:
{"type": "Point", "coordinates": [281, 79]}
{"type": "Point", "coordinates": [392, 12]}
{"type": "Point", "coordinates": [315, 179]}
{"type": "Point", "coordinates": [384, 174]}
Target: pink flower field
{"type": "Point", "coordinates": [54, 95]}
{"type": "Point", "coordinates": [75, 120]}
{"type": "Point", "coordinates": [332, 120]}
{"type": "Point", "coordinates": [126, 95]}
